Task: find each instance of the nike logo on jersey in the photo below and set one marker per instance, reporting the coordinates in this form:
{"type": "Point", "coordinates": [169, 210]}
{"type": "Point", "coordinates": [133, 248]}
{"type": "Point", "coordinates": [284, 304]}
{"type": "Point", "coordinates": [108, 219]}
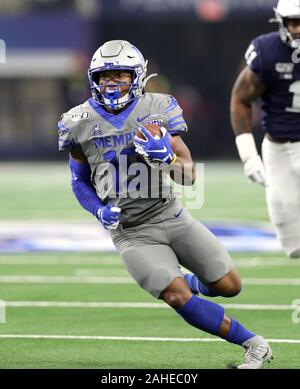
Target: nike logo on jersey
{"type": "Point", "coordinates": [179, 213]}
{"type": "Point", "coordinates": [143, 118]}
{"type": "Point", "coordinates": [163, 150]}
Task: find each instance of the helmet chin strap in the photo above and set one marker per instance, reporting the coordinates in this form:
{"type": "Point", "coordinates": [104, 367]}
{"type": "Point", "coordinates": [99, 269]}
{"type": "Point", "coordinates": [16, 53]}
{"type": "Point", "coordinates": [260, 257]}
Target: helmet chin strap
{"type": "Point", "coordinates": [114, 101]}
{"type": "Point", "coordinates": [148, 78]}
{"type": "Point", "coordinates": [285, 35]}
{"type": "Point", "coordinates": [293, 43]}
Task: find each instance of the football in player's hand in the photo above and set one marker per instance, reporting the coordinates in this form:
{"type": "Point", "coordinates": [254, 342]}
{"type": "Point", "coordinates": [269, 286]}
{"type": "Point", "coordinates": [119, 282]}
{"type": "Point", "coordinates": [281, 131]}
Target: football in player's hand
{"type": "Point", "coordinates": [154, 130]}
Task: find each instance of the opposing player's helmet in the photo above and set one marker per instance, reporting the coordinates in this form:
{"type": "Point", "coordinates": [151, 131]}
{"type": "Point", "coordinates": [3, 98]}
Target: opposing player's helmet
{"type": "Point", "coordinates": [118, 55]}
{"type": "Point", "coordinates": [287, 9]}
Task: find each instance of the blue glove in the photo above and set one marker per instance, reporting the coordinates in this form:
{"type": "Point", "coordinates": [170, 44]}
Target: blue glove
{"type": "Point", "coordinates": [155, 150]}
{"type": "Point", "coordinates": [109, 216]}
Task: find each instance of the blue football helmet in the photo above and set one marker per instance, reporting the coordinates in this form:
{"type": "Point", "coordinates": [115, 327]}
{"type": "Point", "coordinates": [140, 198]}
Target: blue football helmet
{"type": "Point", "coordinates": [118, 55]}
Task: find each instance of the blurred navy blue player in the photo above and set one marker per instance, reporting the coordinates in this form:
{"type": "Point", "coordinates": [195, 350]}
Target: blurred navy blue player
{"type": "Point", "coordinates": [273, 75]}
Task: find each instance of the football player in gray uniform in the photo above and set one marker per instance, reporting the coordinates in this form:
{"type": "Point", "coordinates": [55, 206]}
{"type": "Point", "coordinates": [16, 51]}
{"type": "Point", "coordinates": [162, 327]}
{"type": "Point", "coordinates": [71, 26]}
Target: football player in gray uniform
{"type": "Point", "coordinates": [122, 179]}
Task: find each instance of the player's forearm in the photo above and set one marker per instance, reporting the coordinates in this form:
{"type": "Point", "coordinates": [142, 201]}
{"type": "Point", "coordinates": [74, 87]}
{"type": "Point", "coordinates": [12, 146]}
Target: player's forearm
{"type": "Point", "coordinates": [183, 171]}
{"type": "Point", "coordinates": [241, 116]}
{"type": "Point", "coordinates": [86, 196]}
{"type": "Point", "coordinates": [83, 189]}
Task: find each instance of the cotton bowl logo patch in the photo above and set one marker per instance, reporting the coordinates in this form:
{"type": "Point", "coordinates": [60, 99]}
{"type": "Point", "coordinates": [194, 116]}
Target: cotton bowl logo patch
{"type": "Point", "coordinates": [155, 119]}
{"type": "Point", "coordinates": [285, 70]}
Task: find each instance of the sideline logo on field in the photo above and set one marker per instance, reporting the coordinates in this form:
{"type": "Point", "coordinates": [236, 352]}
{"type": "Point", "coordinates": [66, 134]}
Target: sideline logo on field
{"type": "Point", "coordinates": [2, 312]}
{"type": "Point", "coordinates": [296, 313]}
{"type": "Point", "coordinates": [2, 51]}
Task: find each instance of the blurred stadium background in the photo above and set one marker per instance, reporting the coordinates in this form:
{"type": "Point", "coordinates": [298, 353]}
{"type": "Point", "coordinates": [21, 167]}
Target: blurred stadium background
{"type": "Point", "coordinates": [51, 269]}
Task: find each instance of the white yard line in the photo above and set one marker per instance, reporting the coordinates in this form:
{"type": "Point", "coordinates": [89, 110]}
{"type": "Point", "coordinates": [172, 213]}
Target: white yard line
{"type": "Point", "coordinates": [116, 263]}
{"type": "Point", "coordinates": [226, 210]}
{"type": "Point", "coordinates": [131, 338]}
{"type": "Point", "coordinates": [108, 304]}
{"type": "Point", "coordinates": [125, 280]}
{"type": "Point", "coordinates": [65, 280]}
{"type": "Point", "coordinates": [111, 261]}
{"type": "Point", "coordinates": [92, 272]}
{"type": "Point", "coordinates": [265, 263]}
{"type": "Point", "coordinates": [56, 261]}
{"type": "Point", "coordinates": [271, 281]}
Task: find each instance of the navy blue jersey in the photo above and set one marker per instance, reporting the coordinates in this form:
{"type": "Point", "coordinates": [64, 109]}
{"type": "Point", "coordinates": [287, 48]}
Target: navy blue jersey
{"type": "Point", "coordinates": [271, 60]}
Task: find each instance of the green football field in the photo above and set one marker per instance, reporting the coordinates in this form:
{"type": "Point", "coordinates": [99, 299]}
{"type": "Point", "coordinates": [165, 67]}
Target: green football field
{"type": "Point", "coordinates": [82, 310]}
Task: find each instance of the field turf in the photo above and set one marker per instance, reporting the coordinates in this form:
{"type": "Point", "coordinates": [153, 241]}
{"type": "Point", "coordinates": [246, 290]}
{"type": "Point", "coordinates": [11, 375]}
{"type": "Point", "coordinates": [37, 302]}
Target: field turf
{"type": "Point", "coordinates": [50, 324]}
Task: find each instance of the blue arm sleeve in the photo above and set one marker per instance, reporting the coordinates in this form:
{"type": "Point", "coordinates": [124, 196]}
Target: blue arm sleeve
{"type": "Point", "coordinates": [83, 188]}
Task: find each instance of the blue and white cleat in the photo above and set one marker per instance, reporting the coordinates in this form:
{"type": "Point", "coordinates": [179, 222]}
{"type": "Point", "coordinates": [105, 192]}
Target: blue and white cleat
{"type": "Point", "coordinates": [257, 352]}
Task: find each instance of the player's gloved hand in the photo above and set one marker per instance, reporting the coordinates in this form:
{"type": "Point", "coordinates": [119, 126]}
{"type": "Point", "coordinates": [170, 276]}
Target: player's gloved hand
{"type": "Point", "coordinates": [253, 165]}
{"type": "Point", "coordinates": [157, 151]}
{"type": "Point", "coordinates": [109, 216]}
{"type": "Point", "coordinates": [254, 170]}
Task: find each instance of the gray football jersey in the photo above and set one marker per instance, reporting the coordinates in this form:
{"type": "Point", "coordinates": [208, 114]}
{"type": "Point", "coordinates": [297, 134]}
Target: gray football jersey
{"type": "Point", "coordinates": [118, 173]}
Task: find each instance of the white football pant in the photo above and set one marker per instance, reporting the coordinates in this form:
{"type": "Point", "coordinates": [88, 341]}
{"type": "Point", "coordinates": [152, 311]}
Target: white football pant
{"type": "Point", "coordinates": [282, 167]}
